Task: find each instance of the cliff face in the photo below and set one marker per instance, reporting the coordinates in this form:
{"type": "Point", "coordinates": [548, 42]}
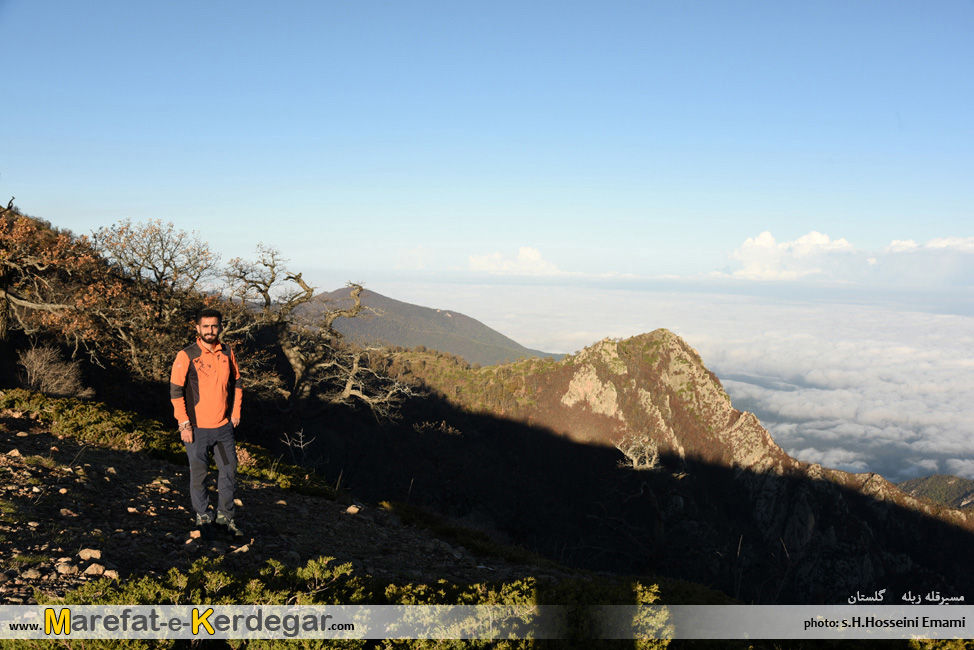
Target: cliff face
{"type": "Point", "coordinates": [726, 505]}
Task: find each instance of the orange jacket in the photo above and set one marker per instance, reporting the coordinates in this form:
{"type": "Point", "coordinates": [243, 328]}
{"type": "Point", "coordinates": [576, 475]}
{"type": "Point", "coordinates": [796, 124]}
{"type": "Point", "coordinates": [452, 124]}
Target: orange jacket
{"type": "Point", "coordinates": [205, 386]}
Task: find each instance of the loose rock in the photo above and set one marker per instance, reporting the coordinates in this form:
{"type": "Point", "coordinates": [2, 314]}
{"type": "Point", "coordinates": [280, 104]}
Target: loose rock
{"type": "Point", "coordinates": [94, 570]}
{"type": "Point", "coordinates": [66, 569]}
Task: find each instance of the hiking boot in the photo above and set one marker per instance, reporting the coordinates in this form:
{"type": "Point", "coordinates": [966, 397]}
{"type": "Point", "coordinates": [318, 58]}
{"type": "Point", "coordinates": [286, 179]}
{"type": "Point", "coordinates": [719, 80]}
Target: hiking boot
{"type": "Point", "coordinates": [204, 524]}
{"type": "Point", "coordinates": [227, 524]}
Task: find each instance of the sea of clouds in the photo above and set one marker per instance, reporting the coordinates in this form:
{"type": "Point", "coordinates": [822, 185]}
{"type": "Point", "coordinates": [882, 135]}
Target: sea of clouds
{"type": "Point", "coordinates": [863, 382]}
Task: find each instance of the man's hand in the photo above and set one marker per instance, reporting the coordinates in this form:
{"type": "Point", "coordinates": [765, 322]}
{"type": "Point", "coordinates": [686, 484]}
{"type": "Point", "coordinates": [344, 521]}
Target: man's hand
{"type": "Point", "coordinates": [186, 434]}
{"type": "Point", "coordinates": [235, 422]}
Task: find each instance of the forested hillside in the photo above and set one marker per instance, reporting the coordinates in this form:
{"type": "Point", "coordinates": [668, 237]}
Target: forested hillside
{"type": "Point", "coordinates": [947, 489]}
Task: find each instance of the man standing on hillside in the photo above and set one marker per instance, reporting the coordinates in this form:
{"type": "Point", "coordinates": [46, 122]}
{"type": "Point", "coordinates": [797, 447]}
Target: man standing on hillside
{"type": "Point", "coordinates": [206, 391]}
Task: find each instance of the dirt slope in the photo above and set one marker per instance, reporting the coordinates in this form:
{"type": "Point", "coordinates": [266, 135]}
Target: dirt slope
{"type": "Point", "coordinates": [71, 513]}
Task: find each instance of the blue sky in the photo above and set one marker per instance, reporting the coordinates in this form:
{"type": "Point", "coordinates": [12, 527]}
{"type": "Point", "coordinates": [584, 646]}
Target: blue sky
{"type": "Point", "coordinates": [648, 138]}
{"type": "Point", "coordinates": [743, 153]}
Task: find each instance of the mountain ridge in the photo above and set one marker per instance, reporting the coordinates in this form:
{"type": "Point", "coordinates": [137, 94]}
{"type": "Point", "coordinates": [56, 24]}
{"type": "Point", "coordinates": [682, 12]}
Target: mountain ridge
{"type": "Point", "coordinates": [409, 325]}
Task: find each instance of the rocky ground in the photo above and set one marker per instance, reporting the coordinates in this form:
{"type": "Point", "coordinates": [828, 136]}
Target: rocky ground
{"type": "Point", "coordinates": [70, 513]}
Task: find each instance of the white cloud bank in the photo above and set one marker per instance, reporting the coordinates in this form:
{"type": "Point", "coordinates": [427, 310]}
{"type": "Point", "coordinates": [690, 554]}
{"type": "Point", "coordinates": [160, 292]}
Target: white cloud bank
{"type": "Point", "coordinates": [527, 263]}
{"type": "Point", "coordinates": [763, 258]}
{"type": "Point", "coordinates": [815, 256]}
{"type": "Point", "coordinates": [859, 388]}
{"type": "Point", "coordinates": [962, 244]}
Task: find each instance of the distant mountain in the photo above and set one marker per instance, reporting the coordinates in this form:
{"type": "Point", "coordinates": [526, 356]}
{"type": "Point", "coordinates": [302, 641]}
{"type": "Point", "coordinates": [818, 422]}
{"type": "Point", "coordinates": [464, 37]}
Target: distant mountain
{"type": "Point", "coordinates": [947, 489]}
{"type": "Point", "coordinates": [408, 326]}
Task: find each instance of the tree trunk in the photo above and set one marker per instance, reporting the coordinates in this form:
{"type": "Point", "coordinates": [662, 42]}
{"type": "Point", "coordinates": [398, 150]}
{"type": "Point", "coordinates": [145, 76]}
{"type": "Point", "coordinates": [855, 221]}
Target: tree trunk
{"type": "Point", "coordinates": [4, 320]}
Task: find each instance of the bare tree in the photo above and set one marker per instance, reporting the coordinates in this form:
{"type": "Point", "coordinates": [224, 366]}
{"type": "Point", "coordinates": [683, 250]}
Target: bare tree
{"type": "Point", "coordinates": [325, 370]}
{"type": "Point", "coordinates": [640, 450]}
{"type": "Point", "coordinates": [154, 285]}
{"type": "Point", "coordinates": [174, 262]}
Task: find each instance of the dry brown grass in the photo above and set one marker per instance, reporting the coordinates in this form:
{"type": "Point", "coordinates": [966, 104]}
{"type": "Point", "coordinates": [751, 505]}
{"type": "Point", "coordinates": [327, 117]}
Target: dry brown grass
{"type": "Point", "coordinates": [44, 371]}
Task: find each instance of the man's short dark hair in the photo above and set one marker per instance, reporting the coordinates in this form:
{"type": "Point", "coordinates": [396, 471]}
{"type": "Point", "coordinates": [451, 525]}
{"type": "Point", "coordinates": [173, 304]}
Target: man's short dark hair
{"type": "Point", "coordinates": [208, 313]}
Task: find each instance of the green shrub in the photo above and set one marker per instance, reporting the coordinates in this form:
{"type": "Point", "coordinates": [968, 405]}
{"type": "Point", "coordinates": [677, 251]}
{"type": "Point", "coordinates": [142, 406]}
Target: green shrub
{"type": "Point", "coordinates": [322, 581]}
{"type": "Point", "coordinates": [94, 423]}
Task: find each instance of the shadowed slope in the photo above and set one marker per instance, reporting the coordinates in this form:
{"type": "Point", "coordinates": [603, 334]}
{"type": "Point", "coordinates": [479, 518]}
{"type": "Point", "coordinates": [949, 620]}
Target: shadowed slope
{"type": "Point", "coordinates": [527, 449]}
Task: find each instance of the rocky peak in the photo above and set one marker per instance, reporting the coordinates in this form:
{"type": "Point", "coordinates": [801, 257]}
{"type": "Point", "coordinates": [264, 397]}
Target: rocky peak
{"type": "Point", "coordinates": [657, 383]}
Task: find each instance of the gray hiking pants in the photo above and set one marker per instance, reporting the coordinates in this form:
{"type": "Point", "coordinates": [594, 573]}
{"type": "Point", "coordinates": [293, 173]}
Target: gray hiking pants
{"type": "Point", "coordinates": [221, 442]}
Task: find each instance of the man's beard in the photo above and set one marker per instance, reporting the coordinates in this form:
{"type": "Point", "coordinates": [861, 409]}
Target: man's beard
{"type": "Point", "coordinates": [210, 338]}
